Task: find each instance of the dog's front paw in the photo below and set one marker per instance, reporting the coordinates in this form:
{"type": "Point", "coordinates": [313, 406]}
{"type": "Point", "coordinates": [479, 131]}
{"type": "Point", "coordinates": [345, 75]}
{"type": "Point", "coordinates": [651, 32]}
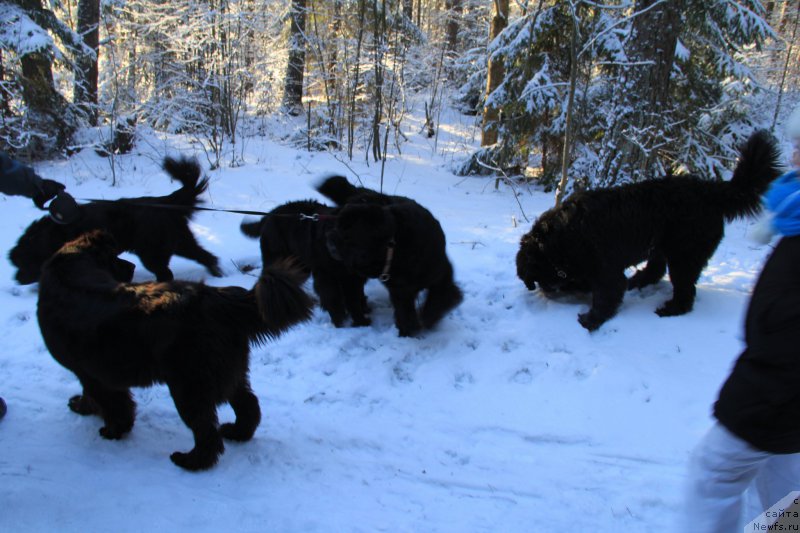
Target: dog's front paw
{"type": "Point", "coordinates": [194, 460]}
{"type": "Point", "coordinates": [672, 308]}
{"type": "Point", "coordinates": [407, 331]}
{"type": "Point", "coordinates": [236, 433]}
{"type": "Point", "coordinates": [408, 326]}
{"type": "Point", "coordinates": [360, 322]}
{"type": "Point", "coordinates": [589, 322]}
{"type": "Point", "coordinates": [113, 432]}
{"type": "Point", "coordinates": [83, 405]}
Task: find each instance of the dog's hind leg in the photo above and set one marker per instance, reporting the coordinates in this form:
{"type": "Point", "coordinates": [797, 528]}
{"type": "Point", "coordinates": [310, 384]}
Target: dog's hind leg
{"type": "Point", "coordinates": [331, 298]}
{"type": "Point", "coordinates": [248, 414]}
{"type": "Point", "coordinates": [652, 273]}
{"type": "Point", "coordinates": [187, 246]}
{"type": "Point", "coordinates": [607, 293]}
{"type": "Point", "coordinates": [157, 262]}
{"type": "Point", "coordinates": [686, 261]}
{"type": "Point", "coordinates": [200, 415]}
{"type": "Point", "coordinates": [405, 309]}
{"type": "Point", "coordinates": [684, 275]}
{"type": "Point", "coordinates": [683, 295]}
{"type": "Point", "coordinates": [354, 299]}
{"type": "Point", "coordinates": [443, 296]}
{"type": "Point", "coordinates": [115, 406]}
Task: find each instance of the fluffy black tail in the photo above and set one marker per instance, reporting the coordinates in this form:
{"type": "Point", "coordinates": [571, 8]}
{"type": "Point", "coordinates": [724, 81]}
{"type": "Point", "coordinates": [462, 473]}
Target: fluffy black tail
{"type": "Point", "coordinates": [188, 172]}
{"type": "Point", "coordinates": [252, 229]}
{"type": "Point", "coordinates": [338, 189]}
{"type": "Point", "coordinates": [759, 164]}
{"type": "Point", "coordinates": [281, 301]}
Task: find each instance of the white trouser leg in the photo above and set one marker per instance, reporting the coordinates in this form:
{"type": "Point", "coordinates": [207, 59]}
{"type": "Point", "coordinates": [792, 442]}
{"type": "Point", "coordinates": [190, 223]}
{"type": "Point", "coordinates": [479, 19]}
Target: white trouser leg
{"type": "Point", "coordinates": [720, 470]}
{"type": "Point", "coordinates": [778, 476]}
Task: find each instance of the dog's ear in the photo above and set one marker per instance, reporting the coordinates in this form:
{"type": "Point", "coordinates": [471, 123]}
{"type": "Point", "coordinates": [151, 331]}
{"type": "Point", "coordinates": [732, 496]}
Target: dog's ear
{"type": "Point", "coordinates": [537, 236]}
{"type": "Point", "coordinates": [524, 272]}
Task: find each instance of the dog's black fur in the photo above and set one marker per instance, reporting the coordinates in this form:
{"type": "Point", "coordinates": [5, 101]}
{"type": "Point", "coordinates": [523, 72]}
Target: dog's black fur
{"type": "Point", "coordinates": [196, 339]}
{"type": "Point", "coordinates": [398, 241]}
{"type": "Point", "coordinates": [154, 234]}
{"type": "Point", "coordinates": [283, 233]}
{"type": "Point", "coordinates": [675, 222]}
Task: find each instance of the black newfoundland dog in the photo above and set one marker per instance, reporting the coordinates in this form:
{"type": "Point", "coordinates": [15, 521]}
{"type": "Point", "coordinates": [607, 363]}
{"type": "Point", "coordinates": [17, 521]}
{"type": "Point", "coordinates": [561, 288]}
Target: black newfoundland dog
{"type": "Point", "coordinates": [398, 241]}
{"type": "Point", "coordinates": [153, 228]}
{"type": "Point", "coordinates": [298, 229]}
{"type": "Point", "coordinates": [114, 335]}
{"type": "Point", "coordinates": [674, 223]}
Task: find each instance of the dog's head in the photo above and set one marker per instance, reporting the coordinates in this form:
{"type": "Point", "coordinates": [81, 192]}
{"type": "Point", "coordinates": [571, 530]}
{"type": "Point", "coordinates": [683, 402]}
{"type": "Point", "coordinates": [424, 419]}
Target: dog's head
{"type": "Point", "coordinates": [361, 237]}
{"type": "Point", "coordinates": [540, 261]}
{"type": "Point", "coordinates": [97, 250]}
{"type": "Point", "coordinates": [41, 240]}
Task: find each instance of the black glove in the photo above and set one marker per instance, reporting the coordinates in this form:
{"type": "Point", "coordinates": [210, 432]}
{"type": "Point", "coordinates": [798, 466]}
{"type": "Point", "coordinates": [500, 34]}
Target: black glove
{"type": "Point", "coordinates": [64, 209]}
{"type": "Point", "coordinates": [47, 190]}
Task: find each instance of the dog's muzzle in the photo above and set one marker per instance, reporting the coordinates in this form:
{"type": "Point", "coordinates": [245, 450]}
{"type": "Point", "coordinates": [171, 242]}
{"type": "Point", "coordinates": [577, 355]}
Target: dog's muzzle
{"type": "Point", "coordinates": [25, 277]}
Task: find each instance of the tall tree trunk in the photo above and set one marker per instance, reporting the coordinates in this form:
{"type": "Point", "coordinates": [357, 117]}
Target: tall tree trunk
{"type": "Point", "coordinates": [643, 110]}
{"type": "Point", "coordinates": [333, 82]}
{"type": "Point", "coordinates": [46, 106]}
{"type": "Point", "coordinates": [293, 86]}
{"type": "Point", "coordinates": [786, 66]}
{"type": "Point", "coordinates": [453, 8]}
{"type": "Point", "coordinates": [496, 73]}
{"type": "Point", "coordinates": [50, 122]}
{"type": "Point", "coordinates": [85, 91]}
{"type": "Point", "coordinates": [573, 81]}
{"type": "Point", "coordinates": [379, 38]}
{"type": "Point", "coordinates": [354, 85]}
{"type": "Point", "coordinates": [5, 96]}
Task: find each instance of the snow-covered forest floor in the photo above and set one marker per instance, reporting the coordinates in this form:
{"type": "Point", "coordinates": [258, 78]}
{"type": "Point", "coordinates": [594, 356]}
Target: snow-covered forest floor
{"type": "Point", "coordinates": [509, 416]}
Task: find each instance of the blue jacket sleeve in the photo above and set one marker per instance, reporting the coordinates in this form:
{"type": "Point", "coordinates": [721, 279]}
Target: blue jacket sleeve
{"type": "Point", "coordinates": [18, 179]}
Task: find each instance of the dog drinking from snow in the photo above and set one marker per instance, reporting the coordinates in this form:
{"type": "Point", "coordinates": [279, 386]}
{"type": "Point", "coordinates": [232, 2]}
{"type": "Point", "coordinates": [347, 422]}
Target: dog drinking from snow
{"type": "Point", "coordinates": [153, 228]}
{"type": "Point", "coordinates": [674, 223]}
{"type": "Point", "coordinates": [114, 335]}
{"type": "Point", "coordinates": [398, 241]}
{"type": "Point", "coordinates": [298, 229]}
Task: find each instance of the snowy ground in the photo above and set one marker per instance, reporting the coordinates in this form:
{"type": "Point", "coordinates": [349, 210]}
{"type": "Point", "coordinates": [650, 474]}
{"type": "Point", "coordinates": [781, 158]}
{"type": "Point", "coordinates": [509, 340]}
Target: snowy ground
{"type": "Point", "coordinates": [508, 417]}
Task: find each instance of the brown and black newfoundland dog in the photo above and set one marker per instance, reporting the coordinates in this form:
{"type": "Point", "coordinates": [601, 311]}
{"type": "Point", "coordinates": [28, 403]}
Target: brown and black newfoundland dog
{"type": "Point", "coordinates": [114, 335]}
{"type": "Point", "coordinates": [298, 229]}
{"type": "Point", "coordinates": [398, 241]}
{"type": "Point", "coordinates": [674, 223]}
{"type": "Point", "coordinates": [153, 228]}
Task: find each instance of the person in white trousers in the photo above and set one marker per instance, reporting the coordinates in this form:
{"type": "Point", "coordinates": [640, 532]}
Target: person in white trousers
{"type": "Point", "coordinates": [754, 446]}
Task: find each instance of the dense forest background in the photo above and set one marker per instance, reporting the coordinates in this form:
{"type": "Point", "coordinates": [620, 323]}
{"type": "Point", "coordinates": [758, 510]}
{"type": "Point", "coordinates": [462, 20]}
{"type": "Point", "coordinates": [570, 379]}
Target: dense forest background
{"type": "Point", "coordinates": [568, 92]}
